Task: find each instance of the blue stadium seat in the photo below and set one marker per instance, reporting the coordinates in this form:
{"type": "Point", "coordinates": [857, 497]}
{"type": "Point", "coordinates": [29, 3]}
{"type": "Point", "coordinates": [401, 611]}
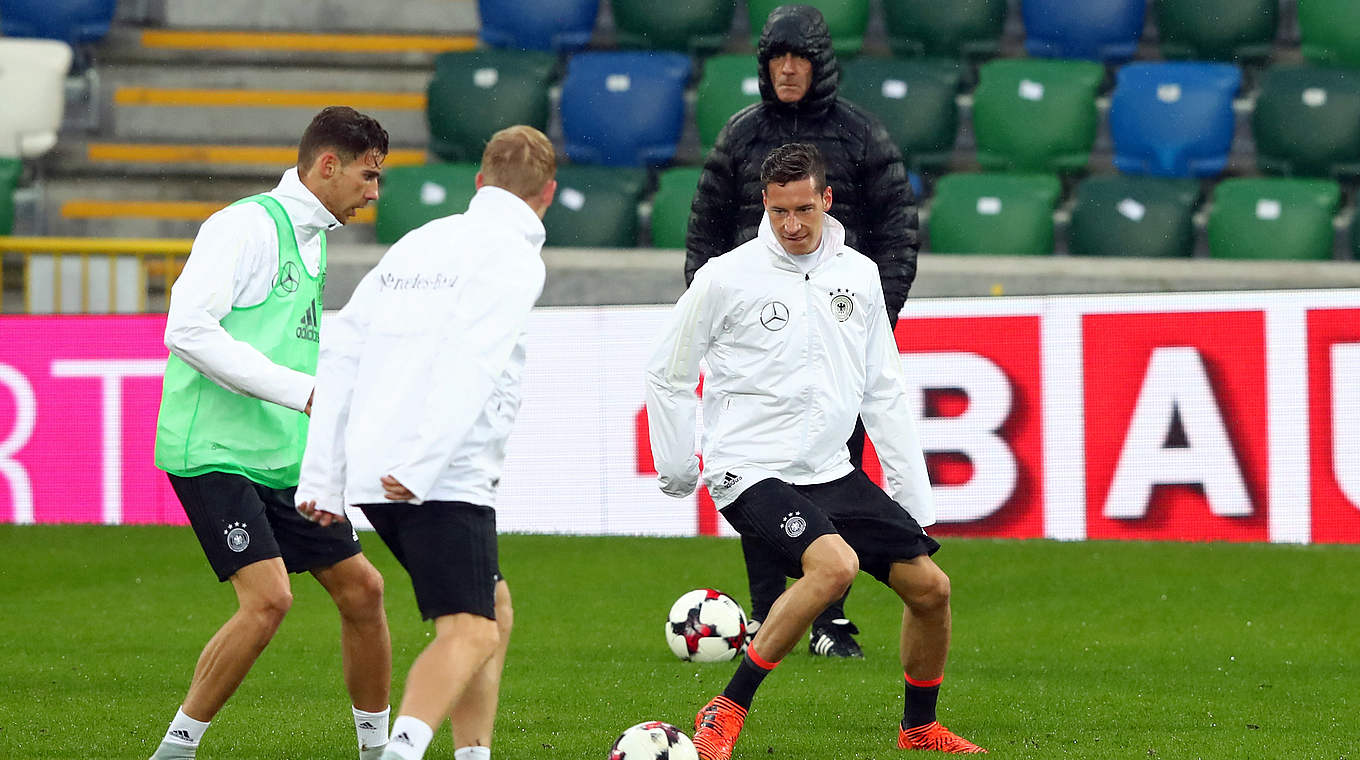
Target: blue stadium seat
{"type": "Point", "coordinates": [71, 21]}
{"type": "Point", "coordinates": [1098, 30]}
{"type": "Point", "coordinates": [558, 25]}
{"type": "Point", "coordinates": [1174, 119]}
{"type": "Point", "coordinates": [624, 108]}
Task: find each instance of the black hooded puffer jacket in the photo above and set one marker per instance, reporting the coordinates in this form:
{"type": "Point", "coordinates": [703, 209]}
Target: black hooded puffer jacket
{"type": "Point", "coordinates": [870, 194]}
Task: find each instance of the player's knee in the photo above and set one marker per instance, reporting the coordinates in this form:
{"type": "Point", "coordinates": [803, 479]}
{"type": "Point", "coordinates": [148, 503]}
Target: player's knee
{"type": "Point", "coordinates": [835, 574]}
{"type": "Point", "coordinates": [932, 593]}
{"type": "Point", "coordinates": [269, 608]}
{"type": "Point", "coordinates": [362, 596]}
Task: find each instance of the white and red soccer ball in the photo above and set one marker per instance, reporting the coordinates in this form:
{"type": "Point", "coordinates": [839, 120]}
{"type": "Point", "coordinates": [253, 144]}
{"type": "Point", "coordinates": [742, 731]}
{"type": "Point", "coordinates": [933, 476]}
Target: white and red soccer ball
{"type": "Point", "coordinates": [653, 740]}
{"type": "Point", "coordinates": [706, 625]}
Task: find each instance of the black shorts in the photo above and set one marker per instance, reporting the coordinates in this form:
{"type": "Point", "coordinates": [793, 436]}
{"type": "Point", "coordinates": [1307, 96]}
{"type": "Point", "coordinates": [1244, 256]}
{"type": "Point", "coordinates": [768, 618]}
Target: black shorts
{"type": "Point", "coordinates": [240, 522]}
{"type": "Point", "coordinates": [449, 550]}
{"type": "Point", "coordinates": [789, 518]}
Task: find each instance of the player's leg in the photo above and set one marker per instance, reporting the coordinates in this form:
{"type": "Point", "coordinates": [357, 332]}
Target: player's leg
{"type": "Point", "coordinates": [474, 714]}
{"type": "Point", "coordinates": [832, 632]}
{"type": "Point", "coordinates": [229, 520]}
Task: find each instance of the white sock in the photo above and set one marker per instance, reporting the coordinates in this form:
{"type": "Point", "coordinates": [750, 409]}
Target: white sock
{"type": "Point", "coordinates": [410, 737]}
{"type": "Point", "coordinates": [371, 728]}
{"type": "Point", "coordinates": [473, 753]}
{"type": "Point", "coordinates": [185, 730]}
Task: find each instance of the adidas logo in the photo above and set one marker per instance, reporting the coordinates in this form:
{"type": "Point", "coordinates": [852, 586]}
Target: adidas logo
{"type": "Point", "coordinates": [367, 726]}
{"type": "Point", "coordinates": [180, 735]}
{"type": "Point", "coordinates": [307, 328]}
{"type": "Point", "coordinates": [402, 738]}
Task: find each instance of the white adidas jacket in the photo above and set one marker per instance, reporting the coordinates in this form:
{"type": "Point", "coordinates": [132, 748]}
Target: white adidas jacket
{"type": "Point", "coordinates": [419, 374]}
{"type": "Point", "coordinates": [792, 360]}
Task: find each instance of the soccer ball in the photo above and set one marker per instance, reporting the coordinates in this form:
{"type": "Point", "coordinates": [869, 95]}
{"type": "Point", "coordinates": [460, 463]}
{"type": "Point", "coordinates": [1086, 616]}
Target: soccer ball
{"type": "Point", "coordinates": [653, 740]}
{"type": "Point", "coordinates": [706, 625]}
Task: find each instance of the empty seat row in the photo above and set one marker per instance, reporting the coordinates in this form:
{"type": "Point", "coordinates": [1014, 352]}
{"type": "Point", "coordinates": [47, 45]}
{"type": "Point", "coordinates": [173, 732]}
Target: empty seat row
{"type": "Point", "coordinates": [1104, 30]}
{"type": "Point", "coordinates": [1116, 215]}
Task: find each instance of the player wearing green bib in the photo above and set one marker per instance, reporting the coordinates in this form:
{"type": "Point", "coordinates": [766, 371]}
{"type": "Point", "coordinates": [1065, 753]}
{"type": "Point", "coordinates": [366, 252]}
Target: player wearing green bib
{"type": "Point", "coordinates": [243, 331]}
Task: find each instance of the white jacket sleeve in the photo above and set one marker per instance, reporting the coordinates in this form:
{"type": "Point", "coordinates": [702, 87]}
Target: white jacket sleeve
{"type": "Point", "coordinates": [230, 248]}
{"type": "Point", "coordinates": [889, 419]}
{"type": "Point", "coordinates": [342, 343]}
{"type": "Point", "coordinates": [469, 358]}
{"type": "Point", "coordinates": [672, 376]}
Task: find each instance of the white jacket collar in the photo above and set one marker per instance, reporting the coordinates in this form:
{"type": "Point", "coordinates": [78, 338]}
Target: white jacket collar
{"type": "Point", "coordinates": [833, 238]}
{"type": "Point", "coordinates": [309, 216]}
{"type": "Point", "coordinates": [513, 209]}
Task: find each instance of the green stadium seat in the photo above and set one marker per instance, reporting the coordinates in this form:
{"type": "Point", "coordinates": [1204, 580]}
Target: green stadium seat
{"type": "Point", "coordinates": [1273, 218]}
{"type": "Point", "coordinates": [671, 205]}
{"type": "Point", "coordinates": [1329, 31]}
{"type": "Point", "coordinates": [695, 26]}
{"type": "Point", "coordinates": [11, 169]}
{"type": "Point", "coordinates": [956, 28]}
{"type": "Point", "coordinates": [1009, 214]}
{"type": "Point", "coordinates": [1036, 115]}
{"type": "Point", "coordinates": [1120, 215]}
{"type": "Point", "coordinates": [915, 101]}
{"type": "Point", "coordinates": [1217, 30]}
{"type": "Point", "coordinates": [595, 207]}
{"type": "Point", "coordinates": [474, 94]}
{"type": "Point", "coordinates": [847, 20]}
{"type": "Point", "coordinates": [414, 195]}
{"type": "Point", "coordinates": [1307, 121]}
{"type": "Point", "coordinates": [729, 84]}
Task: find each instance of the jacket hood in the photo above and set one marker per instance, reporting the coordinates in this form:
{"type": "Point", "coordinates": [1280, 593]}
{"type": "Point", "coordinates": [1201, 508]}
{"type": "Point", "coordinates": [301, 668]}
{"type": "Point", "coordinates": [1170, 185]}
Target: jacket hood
{"type": "Point", "coordinates": [801, 30]}
{"type": "Point", "coordinates": [833, 237]}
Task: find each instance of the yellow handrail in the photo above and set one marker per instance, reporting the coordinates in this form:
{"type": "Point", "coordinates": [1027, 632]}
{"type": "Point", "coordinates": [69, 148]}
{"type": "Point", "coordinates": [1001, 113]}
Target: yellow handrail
{"type": "Point", "coordinates": [163, 253]}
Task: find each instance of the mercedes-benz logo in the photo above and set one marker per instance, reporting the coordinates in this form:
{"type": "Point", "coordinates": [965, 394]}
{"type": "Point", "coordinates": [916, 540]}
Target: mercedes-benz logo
{"type": "Point", "coordinates": [288, 278]}
{"type": "Point", "coordinates": [774, 316]}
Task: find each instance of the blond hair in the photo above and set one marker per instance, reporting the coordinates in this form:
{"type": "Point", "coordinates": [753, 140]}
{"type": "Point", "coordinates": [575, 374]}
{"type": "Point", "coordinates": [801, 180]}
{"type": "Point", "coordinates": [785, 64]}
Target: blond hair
{"type": "Point", "coordinates": [519, 159]}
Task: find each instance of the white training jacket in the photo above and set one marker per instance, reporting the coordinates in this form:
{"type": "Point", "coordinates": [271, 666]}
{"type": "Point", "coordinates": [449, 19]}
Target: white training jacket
{"type": "Point", "coordinates": [793, 358]}
{"type": "Point", "coordinates": [234, 262]}
{"type": "Point", "coordinates": [419, 373]}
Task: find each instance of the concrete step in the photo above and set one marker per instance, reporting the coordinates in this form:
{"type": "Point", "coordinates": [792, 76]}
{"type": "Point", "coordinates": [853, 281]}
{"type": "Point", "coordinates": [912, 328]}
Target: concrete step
{"type": "Point", "coordinates": [206, 162]}
{"type": "Point", "coordinates": [197, 47]}
{"type": "Point", "coordinates": [419, 16]}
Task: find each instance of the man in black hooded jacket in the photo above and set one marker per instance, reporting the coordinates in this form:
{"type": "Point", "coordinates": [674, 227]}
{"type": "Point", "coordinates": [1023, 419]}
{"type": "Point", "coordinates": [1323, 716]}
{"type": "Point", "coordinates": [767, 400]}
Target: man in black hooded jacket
{"type": "Point", "coordinates": [798, 77]}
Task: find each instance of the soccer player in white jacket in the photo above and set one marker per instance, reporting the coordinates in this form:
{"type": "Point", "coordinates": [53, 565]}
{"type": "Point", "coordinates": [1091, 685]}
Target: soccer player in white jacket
{"type": "Point", "coordinates": [796, 337]}
{"type": "Point", "coordinates": [417, 389]}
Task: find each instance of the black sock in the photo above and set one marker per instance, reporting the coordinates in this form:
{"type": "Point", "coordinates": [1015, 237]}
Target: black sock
{"type": "Point", "coordinates": [742, 688]}
{"type": "Point", "coordinates": [920, 707]}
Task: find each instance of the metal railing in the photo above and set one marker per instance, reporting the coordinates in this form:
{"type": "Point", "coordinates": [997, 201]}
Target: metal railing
{"type": "Point", "coordinates": [132, 274]}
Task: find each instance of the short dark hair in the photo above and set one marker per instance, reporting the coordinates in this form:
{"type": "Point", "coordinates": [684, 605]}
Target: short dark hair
{"type": "Point", "coordinates": [794, 161]}
{"type": "Point", "coordinates": [343, 130]}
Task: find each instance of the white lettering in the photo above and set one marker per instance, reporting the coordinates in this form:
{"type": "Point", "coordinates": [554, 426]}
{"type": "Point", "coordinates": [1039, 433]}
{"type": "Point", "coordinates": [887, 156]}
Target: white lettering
{"type": "Point", "coordinates": [1346, 419]}
{"type": "Point", "coordinates": [25, 417]}
{"type": "Point", "coordinates": [1176, 383]}
{"type": "Point", "coordinates": [972, 433]}
{"type": "Point", "coordinates": [111, 372]}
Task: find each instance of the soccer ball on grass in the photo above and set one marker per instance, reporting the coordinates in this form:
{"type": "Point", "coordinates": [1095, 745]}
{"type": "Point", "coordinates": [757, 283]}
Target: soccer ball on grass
{"type": "Point", "coordinates": [653, 740]}
{"type": "Point", "coordinates": [706, 625]}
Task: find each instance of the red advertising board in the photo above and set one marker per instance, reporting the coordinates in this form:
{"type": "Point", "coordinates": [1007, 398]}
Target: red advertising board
{"type": "Point", "coordinates": [1334, 423]}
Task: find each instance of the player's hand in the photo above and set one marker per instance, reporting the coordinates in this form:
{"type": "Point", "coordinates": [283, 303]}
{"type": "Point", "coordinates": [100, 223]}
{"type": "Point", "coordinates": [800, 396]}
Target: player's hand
{"type": "Point", "coordinates": [395, 491]}
{"type": "Point", "coordinates": [309, 510]}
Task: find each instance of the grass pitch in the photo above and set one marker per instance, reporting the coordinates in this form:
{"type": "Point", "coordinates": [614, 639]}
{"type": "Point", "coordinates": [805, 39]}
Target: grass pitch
{"type": "Point", "coordinates": [1082, 650]}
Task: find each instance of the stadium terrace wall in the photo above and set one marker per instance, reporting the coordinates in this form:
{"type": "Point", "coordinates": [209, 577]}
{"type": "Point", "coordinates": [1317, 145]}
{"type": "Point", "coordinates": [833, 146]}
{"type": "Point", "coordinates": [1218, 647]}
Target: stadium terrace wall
{"type": "Point", "coordinates": [1212, 416]}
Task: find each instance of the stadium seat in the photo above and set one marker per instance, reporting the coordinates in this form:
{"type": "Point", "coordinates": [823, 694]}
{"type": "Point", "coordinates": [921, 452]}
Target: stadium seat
{"type": "Point", "coordinates": [957, 29]}
{"type": "Point", "coordinates": [624, 108]}
{"type": "Point", "coordinates": [1098, 30]}
{"type": "Point", "coordinates": [471, 95]}
{"type": "Point", "coordinates": [847, 20]}
{"type": "Point", "coordinates": [556, 25]}
{"type": "Point", "coordinates": [694, 26]}
{"type": "Point", "coordinates": [74, 22]}
{"type": "Point", "coordinates": [913, 98]}
{"type": "Point", "coordinates": [1009, 214]}
{"type": "Point", "coordinates": [1117, 215]}
{"type": "Point", "coordinates": [729, 83]}
{"type": "Point", "coordinates": [1273, 218]}
{"type": "Point", "coordinates": [33, 80]}
{"type": "Point", "coordinates": [10, 171]}
{"type": "Point", "coordinates": [413, 195]}
{"type": "Point", "coordinates": [1329, 31]}
{"type": "Point", "coordinates": [1307, 122]}
{"type": "Point", "coordinates": [1173, 119]}
{"type": "Point", "coordinates": [1036, 115]}
{"type": "Point", "coordinates": [595, 207]}
{"type": "Point", "coordinates": [1217, 30]}
{"type": "Point", "coordinates": [671, 205]}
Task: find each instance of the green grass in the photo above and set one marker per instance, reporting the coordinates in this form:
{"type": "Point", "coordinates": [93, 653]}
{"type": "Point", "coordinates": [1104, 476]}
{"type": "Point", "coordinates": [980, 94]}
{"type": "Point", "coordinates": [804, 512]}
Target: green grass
{"type": "Point", "coordinates": [1081, 650]}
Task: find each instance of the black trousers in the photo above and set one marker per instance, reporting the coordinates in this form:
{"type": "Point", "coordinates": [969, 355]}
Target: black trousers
{"type": "Point", "coordinates": [763, 566]}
